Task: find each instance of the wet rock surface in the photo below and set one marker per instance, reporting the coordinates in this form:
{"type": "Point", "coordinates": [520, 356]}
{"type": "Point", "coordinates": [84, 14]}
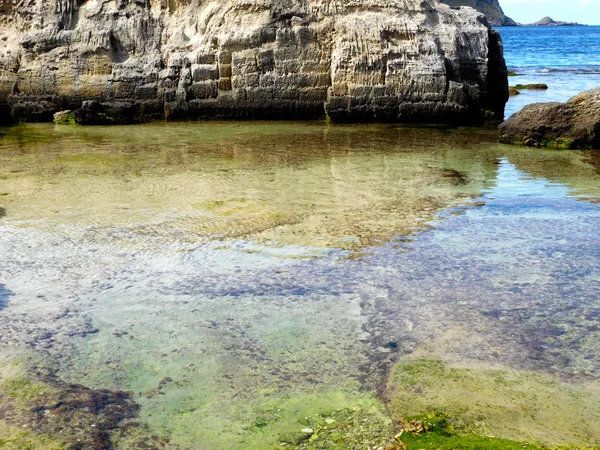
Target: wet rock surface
{"type": "Point", "coordinates": [571, 125]}
{"type": "Point", "coordinates": [379, 60]}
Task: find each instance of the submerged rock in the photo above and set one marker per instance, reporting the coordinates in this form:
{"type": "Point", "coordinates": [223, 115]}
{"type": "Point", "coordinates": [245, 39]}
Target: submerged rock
{"type": "Point", "coordinates": [572, 125]}
{"type": "Point", "coordinates": [374, 60]}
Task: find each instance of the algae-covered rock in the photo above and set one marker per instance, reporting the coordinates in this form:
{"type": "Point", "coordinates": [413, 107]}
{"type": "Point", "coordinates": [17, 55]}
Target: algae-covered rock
{"type": "Point", "coordinates": [571, 125]}
{"type": "Point", "coordinates": [512, 91]}
{"type": "Point", "coordinates": [456, 406]}
{"type": "Point", "coordinates": [64, 118]}
{"type": "Point", "coordinates": [535, 86]}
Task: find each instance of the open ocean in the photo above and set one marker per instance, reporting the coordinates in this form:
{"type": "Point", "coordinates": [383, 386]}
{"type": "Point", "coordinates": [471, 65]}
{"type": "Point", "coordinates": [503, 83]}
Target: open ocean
{"type": "Point", "coordinates": [567, 59]}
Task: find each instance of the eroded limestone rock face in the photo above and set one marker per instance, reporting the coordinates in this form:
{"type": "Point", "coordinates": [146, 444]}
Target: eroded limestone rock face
{"type": "Point", "coordinates": [396, 60]}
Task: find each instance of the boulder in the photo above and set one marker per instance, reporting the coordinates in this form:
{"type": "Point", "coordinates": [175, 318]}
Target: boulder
{"type": "Point", "coordinates": [571, 125]}
{"type": "Point", "coordinates": [348, 60]}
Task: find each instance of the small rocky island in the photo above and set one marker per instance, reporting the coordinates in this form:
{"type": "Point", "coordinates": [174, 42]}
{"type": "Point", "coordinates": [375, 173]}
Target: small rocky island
{"type": "Point", "coordinates": [397, 61]}
{"type": "Point", "coordinates": [549, 22]}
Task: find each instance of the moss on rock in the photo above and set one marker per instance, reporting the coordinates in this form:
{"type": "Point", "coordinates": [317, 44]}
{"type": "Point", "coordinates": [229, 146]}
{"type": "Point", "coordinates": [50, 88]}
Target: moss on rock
{"type": "Point", "coordinates": [481, 401]}
{"type": "Point", "coordinates": [64, 118]}
{"type": "Point", "coordinates": [434, 430]}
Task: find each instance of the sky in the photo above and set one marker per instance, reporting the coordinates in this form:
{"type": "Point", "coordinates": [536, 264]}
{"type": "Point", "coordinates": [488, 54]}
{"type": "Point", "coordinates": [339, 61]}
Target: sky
{"type": "Point", "coordinates": [528, 11]}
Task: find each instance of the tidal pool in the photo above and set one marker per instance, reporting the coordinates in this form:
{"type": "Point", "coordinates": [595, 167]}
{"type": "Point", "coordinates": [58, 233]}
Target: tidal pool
{"type": "Point", "coordinates": [226, 285]}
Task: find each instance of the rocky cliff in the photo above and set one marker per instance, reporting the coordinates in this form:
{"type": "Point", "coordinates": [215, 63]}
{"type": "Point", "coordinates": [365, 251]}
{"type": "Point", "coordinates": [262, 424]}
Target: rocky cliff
{"type": "Point", "coordinates": [396, 60]}
{"type": "Point", "coordinates": [491, 9]}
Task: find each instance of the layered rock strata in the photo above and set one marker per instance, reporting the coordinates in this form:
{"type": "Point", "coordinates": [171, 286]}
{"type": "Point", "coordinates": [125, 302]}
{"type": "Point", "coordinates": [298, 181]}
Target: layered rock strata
{"type": "Point", "coordinates": [572, 125]}
{"type": "Point", "coordinates": [382, 60]}
{"type": "Point", "coordinates": [491, 8]}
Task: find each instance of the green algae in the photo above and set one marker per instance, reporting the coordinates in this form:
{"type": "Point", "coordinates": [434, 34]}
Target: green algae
{"type": "Point", "coordinates": [23, 389]}
{"type": "Point", "coordinates": [531, 86]}
{"type": "Point", "coordinates": [436, 431]}
{"type": "Point", "coordinates": [65, 118]}
{"type": "Point", "coordinates": [508, 403]}
{"type": "Point", "coordinates": [12, 438]}
{"type": "Point", "coordinates": [558, 143]}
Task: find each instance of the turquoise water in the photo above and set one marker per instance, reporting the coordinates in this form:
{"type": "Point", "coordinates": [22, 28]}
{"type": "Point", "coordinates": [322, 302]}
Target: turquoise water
{"type": "Point", "coordinates": [567, 59]}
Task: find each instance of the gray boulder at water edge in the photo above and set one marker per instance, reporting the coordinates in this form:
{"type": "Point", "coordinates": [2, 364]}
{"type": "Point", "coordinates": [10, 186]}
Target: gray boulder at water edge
{"type": "Point", "coordinates": [572, 125]}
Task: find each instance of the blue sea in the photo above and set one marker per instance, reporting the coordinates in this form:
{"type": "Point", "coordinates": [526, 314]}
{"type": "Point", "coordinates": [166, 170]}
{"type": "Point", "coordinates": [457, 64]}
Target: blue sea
{"type": "Point", "coordinates": [567, 59]}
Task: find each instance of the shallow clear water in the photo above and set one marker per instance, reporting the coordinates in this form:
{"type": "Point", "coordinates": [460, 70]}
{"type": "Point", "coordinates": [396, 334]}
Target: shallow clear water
{"type": "Point", "coordinates": [567, 59]}
{"type": "Point", "coordinates": [277, 270]}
